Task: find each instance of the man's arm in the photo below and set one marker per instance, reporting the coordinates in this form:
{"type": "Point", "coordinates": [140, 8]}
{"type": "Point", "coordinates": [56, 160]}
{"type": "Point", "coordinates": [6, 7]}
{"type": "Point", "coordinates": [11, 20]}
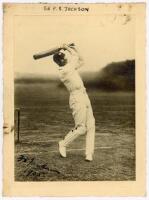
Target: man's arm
{"type": "Point", "coordinates": [80, 59]}
{"type": "Point", "coordinates": [76, 59]}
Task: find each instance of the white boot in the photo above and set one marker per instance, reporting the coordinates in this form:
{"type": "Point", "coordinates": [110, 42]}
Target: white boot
{"type": "Point", "coordinates": [62, 149]}
{"type": "Point", "coordinates": [89, 157]}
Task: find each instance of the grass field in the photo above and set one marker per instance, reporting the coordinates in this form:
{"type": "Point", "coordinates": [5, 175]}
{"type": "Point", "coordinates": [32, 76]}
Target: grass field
{"type": "Point", "coordinates": [46, 118]}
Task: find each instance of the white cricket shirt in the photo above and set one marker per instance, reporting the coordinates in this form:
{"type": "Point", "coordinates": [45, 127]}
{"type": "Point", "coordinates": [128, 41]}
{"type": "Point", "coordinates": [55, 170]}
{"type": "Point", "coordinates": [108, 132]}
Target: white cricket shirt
{"type": "Point", "coordinates": [70, 78]}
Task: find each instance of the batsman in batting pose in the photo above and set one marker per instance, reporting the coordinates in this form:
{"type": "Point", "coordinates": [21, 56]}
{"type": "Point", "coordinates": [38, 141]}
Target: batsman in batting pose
{"type": "Point", "coordinates": [69, 61]}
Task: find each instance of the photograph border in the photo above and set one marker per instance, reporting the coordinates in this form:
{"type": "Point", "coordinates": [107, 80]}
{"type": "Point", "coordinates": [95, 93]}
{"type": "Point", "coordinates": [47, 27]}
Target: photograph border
{"type": "Point", "coordinates": [79, 188]}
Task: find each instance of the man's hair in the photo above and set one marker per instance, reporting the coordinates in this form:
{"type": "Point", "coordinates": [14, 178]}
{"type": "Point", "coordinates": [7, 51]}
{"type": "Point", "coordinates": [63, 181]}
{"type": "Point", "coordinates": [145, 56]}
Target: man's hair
{"type": "Point", "coordinates": [59, 58]}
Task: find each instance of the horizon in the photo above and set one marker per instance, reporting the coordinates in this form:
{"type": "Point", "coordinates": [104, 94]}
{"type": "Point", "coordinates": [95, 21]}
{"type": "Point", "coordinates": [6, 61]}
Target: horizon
{"type": "Point", "coordinates": [31, 74]}
{"type": "Point", "coordinates": [115, 76]}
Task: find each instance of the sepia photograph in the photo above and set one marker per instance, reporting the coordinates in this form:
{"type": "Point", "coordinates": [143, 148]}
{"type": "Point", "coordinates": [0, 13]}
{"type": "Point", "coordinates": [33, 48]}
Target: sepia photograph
{"type": "Point", "coordinates": [75, 87]}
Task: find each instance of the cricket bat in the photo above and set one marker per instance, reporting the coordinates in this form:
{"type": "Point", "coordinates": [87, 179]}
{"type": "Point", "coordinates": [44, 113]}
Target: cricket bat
{"type": "Point", "coordinates": [50, 52]}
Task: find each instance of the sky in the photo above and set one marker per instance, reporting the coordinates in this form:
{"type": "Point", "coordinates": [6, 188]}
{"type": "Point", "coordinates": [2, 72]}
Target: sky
{"type": "Point", "coordinates": [100, 39]}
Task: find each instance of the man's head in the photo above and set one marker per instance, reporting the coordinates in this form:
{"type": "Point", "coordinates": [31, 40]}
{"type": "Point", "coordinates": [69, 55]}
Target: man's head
{"type": "Point", "coordinates": [59, 58]}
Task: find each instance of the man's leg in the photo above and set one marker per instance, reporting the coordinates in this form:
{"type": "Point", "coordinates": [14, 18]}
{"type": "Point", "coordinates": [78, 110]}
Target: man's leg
{"type": "Point", "coordinates": [90, 136]}
{"type": "Point", "coordinates": [79, 111]}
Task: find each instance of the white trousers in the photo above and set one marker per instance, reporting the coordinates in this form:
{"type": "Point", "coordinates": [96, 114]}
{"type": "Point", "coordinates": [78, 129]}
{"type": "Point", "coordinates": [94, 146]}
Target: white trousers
{"type": "Point", "coordinates": [84, 120]}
